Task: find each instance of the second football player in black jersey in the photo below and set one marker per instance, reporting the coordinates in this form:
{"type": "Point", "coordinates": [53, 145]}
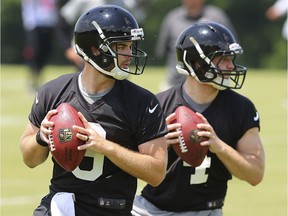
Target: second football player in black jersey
{"type": "Point", "coordinates": [206, 53]}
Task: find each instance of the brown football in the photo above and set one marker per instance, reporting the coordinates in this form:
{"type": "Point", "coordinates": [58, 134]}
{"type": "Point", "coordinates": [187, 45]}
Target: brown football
{"type": "Point", "coordinates": [63, 142]}
{"type": "Point", "coordinates": [189, 148]}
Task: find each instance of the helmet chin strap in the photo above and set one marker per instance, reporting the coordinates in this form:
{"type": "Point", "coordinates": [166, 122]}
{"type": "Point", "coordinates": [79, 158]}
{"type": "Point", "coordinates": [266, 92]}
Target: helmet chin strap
{"type": "Point", "coordinates": [116, 72]}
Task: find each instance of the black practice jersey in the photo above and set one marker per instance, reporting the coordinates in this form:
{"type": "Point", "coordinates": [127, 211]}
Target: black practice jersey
{"type": "Point", "coordinates": [128, 115]}
{"type": "Point", "coordinates": [192, 189]}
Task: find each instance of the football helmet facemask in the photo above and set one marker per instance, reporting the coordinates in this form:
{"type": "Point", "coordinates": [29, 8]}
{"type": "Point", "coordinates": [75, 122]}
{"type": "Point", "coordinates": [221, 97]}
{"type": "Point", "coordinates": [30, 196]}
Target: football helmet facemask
{"type": "Point", "coordinates": [199, 44]}
{"type": "Point", "coordinates": [106, 26]}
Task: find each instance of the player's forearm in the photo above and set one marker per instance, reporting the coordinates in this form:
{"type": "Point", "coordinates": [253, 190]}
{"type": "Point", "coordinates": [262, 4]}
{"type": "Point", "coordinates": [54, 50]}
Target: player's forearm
{"type": "Point", "coordinates": [33, 153]}
{"type": "Point", "coordinates": [145, 167]}
{"type": "Point", "coordinates": [249, 168]}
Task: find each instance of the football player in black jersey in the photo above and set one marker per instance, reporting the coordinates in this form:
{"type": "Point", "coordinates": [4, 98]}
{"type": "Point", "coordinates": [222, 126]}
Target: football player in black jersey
{"type": "Point", "coordinates": [124, 124]}
{"type": "Point", "coordinates": [206, 53]}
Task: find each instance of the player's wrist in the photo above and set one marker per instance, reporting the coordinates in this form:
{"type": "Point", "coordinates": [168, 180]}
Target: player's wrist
{"type": "Point", "coordinates": [40, 141]}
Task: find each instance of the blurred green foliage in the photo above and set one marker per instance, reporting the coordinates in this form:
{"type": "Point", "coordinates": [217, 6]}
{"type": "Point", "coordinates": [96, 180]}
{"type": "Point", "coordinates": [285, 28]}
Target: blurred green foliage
{"type": "Point", "coordinates": [261, 39]}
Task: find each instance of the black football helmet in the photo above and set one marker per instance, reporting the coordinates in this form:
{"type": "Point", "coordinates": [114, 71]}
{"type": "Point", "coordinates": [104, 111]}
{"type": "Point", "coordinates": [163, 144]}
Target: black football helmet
{"type": "Point", "coordinates": [199, 44]}
{"type": "Point", "coordinates": [103, 26]}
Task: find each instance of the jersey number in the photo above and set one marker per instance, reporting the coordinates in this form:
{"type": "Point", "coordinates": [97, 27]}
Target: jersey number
{"type": "Point", "coordinates": [98, 159]}
{"type": "Point", "coordinates": [200, 175]}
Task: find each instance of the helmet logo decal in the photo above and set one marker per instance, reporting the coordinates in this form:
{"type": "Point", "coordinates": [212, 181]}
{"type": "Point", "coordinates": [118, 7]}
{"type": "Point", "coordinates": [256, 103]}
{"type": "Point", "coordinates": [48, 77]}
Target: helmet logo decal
{"type": "Point", "coordinates": [236, 48]}
{"type": "Point", "coordinates": [137, 34]}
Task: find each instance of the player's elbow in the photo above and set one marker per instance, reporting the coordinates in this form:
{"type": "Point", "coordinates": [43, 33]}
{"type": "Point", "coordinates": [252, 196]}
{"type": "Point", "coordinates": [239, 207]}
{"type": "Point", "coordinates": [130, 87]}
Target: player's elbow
{"type": "Point", "coordinates": [28, 158]}
{"type": "Point", "coordinates": [32, 161]}
{"type": "Point", "coordinates": [158, 177]}
{"type": "Point", "coordinates": [29, 163]}
{"type": "Point", "coordinates": [256, 180]}
{"type": "Point", "coordinates": [156, 180]}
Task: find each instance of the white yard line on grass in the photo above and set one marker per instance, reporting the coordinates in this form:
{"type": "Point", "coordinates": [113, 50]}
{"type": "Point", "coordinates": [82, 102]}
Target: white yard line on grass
{"type": "Point", "coordinates": [20, 200]}
{"type": "Point", "coordinates": [10, 120]}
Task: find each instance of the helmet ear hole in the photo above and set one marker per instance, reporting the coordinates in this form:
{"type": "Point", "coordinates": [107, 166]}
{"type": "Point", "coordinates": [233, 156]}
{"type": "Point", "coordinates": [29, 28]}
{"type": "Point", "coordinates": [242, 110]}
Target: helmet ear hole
{"type": "Point", "coordinates": [203, 71]}
{"type": "Point", "coordinates": [103, 61]}
{"type": "Point", "coordinates": [104, 48]}
{"type": "Point", "coordinates": [209, 75]}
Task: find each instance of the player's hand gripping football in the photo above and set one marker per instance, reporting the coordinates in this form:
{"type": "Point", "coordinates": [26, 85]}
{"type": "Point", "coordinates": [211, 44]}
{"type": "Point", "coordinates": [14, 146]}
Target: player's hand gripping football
{"type": "Point", "coordinates": [173, 134]}
{"type": "Point", "coordinates": [213, 142]}
{"type": "Point", "coordinates": [93, 140]}
{"type": "Point", "coordinates": [46, 124]}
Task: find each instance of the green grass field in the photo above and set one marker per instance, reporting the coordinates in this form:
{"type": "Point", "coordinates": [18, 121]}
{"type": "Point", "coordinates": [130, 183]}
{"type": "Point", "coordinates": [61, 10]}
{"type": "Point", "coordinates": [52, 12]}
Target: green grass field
{"type": "Point", "coordinates": [22, 188]}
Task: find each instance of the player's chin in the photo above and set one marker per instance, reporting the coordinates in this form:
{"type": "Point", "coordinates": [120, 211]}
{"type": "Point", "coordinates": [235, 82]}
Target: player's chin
{"type": "Point", "coordinates": [125, 67]}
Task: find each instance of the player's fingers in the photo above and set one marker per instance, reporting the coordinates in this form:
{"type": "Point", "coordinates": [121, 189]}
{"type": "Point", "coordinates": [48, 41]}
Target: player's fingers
{"type": "Point", "coordinates": [46, 123]}
{"type": "Point", "coordinates": [205, 127]}
{"type": "Point", "coordinates": [205, 143]}
{"type": "Point", "coordinates": [202, 117]}
{"type": "Point", "coordinates": [173, 135]}
{"type": "Point", "coordinates": [172, 127]}
{"type": "Point", "coordinates": [212, 136]}
{"type": "Point", "coordinates": [83, 137]}
{"type": "Point", "coordinates": [170, 118]}
{"type": "Point", "coordinates": [83, 147]}
{"type": "Point", "coordinates": [83, 119]}
{"type": "Point", "coordinates": [80, 130]}
{"type": "Point", "coordinates": [51, 113]}
{"type": "Point", "coordinates": [172, 141]}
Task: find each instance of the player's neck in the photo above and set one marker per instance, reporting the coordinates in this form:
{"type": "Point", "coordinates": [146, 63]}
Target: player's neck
{"type": "Point", "coordinates": [200, 93]}
{"type": "Point", "coordinates": [95, 82]}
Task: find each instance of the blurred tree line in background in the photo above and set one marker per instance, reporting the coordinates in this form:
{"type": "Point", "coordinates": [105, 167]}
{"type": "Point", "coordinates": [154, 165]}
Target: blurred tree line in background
{"type": "Point", "coordinates": [261, 39]}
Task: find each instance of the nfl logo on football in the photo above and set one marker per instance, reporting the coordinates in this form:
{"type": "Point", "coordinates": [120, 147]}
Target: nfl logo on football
{"type": "Point", "coordinates": [65, 134]}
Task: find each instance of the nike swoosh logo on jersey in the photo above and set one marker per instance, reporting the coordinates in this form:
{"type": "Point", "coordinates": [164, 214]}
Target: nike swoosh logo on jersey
{"type": "Point", "coordinates": [153, 109]}
{"type": "Point", "coordinates": [256, 118]}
